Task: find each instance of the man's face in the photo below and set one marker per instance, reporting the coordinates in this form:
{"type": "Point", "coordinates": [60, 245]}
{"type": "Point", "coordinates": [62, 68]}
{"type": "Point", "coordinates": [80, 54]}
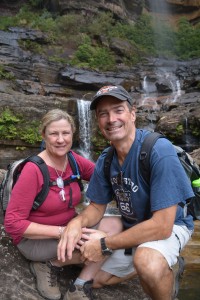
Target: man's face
{"type": "Point", "coordinates": [115, 120]}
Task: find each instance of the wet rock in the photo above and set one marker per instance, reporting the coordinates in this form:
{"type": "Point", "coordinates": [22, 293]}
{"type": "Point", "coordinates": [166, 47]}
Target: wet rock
{"type": "Point", "coordinates": [17, 282]}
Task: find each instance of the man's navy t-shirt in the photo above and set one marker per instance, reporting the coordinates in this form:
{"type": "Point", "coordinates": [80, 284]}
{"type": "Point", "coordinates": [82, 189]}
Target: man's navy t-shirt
{"type": "Point", "coordinates": [136, 200]}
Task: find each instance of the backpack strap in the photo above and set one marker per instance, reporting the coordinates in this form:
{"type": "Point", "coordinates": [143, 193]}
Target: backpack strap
{"type": "Point", "coordinates": [145, 154]}
{"type": "Point", "coordinates": [41, 196]}
{"type": "Point", "coordinates": [107, 162]}
{"type": "Point", "coordinates": [144, 157]}
{"type": "Point", "coordinates": [75, 169]}
{"type": "Point", "coordinates": [75, 177]}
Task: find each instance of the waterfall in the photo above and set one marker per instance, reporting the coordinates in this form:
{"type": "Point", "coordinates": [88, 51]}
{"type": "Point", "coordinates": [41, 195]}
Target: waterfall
{"type": "Point", "coordinates": [160, 13]}
{"type": "Point", "coordinates": [169, 87]}
{"type": "Point", "coordinates": [148, 97]}
{"type": "Point", "coordinates": [84, 115]}
{"type": "Point", "coordinates": [145, 85]}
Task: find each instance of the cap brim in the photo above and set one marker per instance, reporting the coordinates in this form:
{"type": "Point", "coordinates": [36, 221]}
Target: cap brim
{"type": "Point", "coordinates": [98, 98]}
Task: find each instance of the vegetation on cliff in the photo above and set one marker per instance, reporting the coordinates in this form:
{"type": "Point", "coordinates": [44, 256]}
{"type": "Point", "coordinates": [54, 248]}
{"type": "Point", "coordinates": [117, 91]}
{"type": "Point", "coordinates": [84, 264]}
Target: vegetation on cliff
{"type": "Point", "coordinates": [13, 126]}
{"type": "Point", "coordinates": [88, 42]}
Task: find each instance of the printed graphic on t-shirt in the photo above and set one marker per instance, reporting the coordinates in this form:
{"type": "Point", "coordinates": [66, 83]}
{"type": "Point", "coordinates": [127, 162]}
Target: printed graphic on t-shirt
{"type": "Point", "coordinates": [123, 198]}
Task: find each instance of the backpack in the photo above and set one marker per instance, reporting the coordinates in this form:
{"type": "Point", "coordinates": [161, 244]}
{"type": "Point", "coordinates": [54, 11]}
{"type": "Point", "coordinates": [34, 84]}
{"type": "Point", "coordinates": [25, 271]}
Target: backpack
{"type": "Point", "coordinates": [14, 170]}
{"type": "Point", "coordinates": [190, 166]}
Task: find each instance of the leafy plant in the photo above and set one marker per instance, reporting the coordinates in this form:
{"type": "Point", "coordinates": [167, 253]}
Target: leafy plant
{"type": "Point", "coordinates": [188, 40]}
{"type": "Point", "coordinates": [8, 122]}
{"type": "Point", "coordinates": [11, 128]}
{"type": "Point", "coordinates": [4, 74]}
{"type": "Point", "coordinates": [30, 134]}
{"type": "Point", "coordinates": [88, 39]}
{"type": "Point", "coordinates": [93, 57]}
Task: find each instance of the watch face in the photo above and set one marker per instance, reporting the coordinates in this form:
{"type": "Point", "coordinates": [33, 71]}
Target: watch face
{"type": "Point", "coordinates": [107, 252]}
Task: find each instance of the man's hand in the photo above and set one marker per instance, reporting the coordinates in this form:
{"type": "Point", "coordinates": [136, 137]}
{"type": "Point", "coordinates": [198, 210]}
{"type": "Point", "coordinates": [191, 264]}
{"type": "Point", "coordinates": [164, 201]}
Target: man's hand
{"type": "Point", "coordinates": [89, 234]}
{"type": "Point", "coordinates": [91, 251]}
{"type": "Point", "coordinates": [69, 238]}
{"type": "Point", "coordinates": [93, 233]}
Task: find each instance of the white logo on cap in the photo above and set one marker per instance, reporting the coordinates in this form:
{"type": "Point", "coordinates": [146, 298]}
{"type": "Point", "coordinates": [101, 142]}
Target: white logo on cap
{"type": "Point", "coordinates": [106, 89]}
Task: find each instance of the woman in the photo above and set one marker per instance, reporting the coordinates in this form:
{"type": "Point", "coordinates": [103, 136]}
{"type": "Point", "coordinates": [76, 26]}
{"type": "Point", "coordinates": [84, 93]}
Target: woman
{"type": "Point", "coordinates": [36, 232]}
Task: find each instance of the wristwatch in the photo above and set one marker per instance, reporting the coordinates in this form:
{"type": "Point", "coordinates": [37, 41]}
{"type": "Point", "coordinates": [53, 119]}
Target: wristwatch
{"type": "Point", "coordinates": [104, 249]}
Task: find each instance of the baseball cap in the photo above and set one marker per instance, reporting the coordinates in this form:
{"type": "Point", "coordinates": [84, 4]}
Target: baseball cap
{"type": "Point", "coordinates": [116, 91]}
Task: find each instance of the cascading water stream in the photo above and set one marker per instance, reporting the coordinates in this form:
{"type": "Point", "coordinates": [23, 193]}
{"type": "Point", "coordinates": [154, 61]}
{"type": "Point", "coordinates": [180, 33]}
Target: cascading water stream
{"type": "Point", "coordinates": [167, 84]}
{"type": "Point", "coordinates": [84, 115]}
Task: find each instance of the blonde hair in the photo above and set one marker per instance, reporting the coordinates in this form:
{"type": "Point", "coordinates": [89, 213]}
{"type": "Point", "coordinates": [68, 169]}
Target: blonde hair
{"type": "Point", "coordinates": [56, 115]}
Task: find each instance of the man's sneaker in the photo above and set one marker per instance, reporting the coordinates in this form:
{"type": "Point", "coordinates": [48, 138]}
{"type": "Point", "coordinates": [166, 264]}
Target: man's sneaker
{"type": "Point", "coordinates": [46, 279]}
{"type": "Point", "coordinates": [77, 292]}
{"type": "Point", "coordinates": [178, 270]}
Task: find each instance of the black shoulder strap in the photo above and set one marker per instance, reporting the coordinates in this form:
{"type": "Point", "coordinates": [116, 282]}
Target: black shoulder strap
{"type": "Point", "coordinates": [107, 162]}
{"type": "Point", "coordinates": [75, 169]}
{"type": "Point", "coordinates": [144, 157]}
{"type": "Point", "coordinates": [145, 154]}
{"type": "Point", "coordinates": [39, 199]}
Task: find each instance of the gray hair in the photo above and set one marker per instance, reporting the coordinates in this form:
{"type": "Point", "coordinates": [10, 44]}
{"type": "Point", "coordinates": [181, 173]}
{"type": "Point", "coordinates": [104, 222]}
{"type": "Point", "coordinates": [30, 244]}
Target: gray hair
{"type": "Point", "coordinates": [56, 115]}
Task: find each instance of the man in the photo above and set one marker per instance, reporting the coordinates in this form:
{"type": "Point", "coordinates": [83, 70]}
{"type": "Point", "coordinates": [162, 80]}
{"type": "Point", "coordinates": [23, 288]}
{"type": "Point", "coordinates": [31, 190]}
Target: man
{"type": "Point", "coordinates": [156, 228]}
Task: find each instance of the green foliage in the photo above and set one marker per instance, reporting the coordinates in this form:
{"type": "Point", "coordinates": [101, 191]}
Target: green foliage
{"type": "Point", "coordinates": [102, 25]}
{"type": "Point", "coordinates": [27, 17]}
{"type": "Point", "coordinates": [188, 40]}
{"type": "Point", "coordinates": [93, 57]}
{"type": "Point", "coordinates": [58, 59]}
{"type": "Point", "coordinates": [11, 128]}
{"type": "Point", "coordinates": [179, 129]}
{"type": "Point", "coordinates": [18, 148]}
{"type": "Point", "coordinates": [88, 39]}
{"type": "Point", "coordinates": [8, 122]}
{"type": "Point", "coordinates": [6, 22]}
{"type": "Point", "coordinates": [4, 74]}
{"type": "Point", "coordinates": [195, 130]}
{"type": "Point", "coordinates": [30, 134]}
{"type": "Point", "coordinates": [70, 24]}
{"type": "Point", "coordinates": [164, 40]}
{"type": "Point", "coordinates": [31, 45]}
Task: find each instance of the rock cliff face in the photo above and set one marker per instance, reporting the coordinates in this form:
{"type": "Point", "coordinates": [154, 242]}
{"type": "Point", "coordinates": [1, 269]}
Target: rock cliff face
{"type": "Point", "coordinates": [174, 9]}
{"type": "Point", "coordinates": [132, 9]}
{"type": "Point", "coordinates": [121, 9]}
{"type": "Point", "coordinates": [166, 93]}
{"type": "Point", "coordinates": [163, 90]}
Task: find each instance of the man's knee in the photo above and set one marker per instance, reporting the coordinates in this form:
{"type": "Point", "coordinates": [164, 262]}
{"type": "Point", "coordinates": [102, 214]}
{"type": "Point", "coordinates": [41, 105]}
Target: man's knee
{"type": "Point", "coordinates": [149, 262]}
{"type": "Point", "coordinates": [111, 225]}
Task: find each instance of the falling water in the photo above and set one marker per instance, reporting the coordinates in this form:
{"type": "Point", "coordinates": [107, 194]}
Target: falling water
{"type": "Point", "coordinates": [145, 85]}
{"type": "Point", "coordinates": [163, 41]}
{"type": "Point", "coordinates": [160, 15]}
{"type": "Point", "coordinates": [84, 114]}
{"type": "Point", "coordinates": [173, 83]}
{"type": "Point", "coordinates": [148, 98]}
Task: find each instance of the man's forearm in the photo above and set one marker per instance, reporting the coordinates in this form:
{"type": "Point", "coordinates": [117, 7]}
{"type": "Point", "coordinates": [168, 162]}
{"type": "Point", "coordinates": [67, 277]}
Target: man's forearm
{"type": "Point", "coordinates": [91, 215]}
{"type": "Point", "coordinates": [159, 227]}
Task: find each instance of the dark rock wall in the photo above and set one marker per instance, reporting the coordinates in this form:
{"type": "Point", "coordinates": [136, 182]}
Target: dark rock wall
{"type": "Point", "coordinates": [39, 85]}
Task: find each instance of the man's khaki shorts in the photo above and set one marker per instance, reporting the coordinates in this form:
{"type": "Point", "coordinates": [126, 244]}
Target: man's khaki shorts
{"type": "Point", "coordinates": [121, 265]}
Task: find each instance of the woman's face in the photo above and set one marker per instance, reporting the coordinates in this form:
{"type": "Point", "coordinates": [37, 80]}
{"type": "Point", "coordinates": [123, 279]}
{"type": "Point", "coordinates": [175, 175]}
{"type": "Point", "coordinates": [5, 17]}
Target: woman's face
{"type": "Point", "coordinates": [58, 137]}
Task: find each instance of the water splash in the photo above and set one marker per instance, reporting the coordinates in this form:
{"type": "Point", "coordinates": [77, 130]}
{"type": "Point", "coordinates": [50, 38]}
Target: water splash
{"type": "Point", "coordinates": [148, 97]}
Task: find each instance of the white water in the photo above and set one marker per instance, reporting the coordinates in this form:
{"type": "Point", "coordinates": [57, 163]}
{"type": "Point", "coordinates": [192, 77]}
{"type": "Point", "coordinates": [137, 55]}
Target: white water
{"type": "Point", "coordinates": [84, 115]}
{"type": "Point", "coordinates": [150, 94]}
